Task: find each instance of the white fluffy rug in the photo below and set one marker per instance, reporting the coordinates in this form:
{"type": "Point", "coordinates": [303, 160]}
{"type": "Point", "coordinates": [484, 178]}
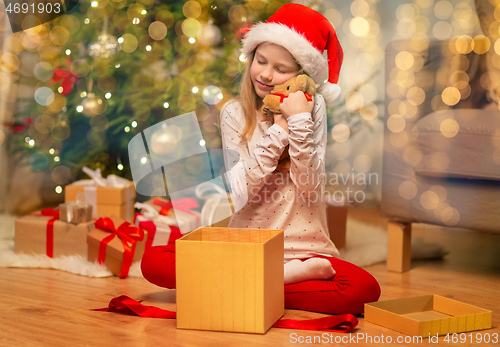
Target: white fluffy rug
{"type": "Point", "coordinates": [365, 245]}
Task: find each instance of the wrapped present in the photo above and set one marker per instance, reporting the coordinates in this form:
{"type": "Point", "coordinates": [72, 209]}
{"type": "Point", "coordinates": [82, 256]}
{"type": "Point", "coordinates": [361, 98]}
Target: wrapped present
{"type": "Point", "coordinates": [116, 243]}
{"type": "Point", "coordinates": [187, 218]}
{"type": "Point", "coordinates": [108, 196]}
{"type": "Point", "coordinates": [44, 233]}
{"type": "Point", "coordinates": [218, 207]}
{"type": "Point", "coordinates": [162, 230]}
{"type": "Point", "coordinates": [75, 211]}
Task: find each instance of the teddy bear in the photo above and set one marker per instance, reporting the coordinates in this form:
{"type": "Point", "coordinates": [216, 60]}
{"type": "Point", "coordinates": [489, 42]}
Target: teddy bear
{"type": "Point", "coordinates": [273, 100]}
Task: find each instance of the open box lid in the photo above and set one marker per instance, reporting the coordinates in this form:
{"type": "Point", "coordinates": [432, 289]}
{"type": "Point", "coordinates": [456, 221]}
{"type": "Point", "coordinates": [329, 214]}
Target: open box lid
{"type": "Point", "coordinates": [236, 235]}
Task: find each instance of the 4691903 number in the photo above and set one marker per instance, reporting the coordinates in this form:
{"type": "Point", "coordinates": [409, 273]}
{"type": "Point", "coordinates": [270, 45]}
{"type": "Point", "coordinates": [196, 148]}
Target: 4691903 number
{"type": "Point", "coordinates": [39, 8]}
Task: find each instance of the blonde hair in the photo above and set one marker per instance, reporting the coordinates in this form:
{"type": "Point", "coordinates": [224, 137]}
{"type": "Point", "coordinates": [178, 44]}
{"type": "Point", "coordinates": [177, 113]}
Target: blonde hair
{"type": "Point", "coordinates": [249, 100]}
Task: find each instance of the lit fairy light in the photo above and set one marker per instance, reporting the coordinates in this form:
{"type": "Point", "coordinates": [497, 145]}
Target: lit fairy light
{"type": "Point", "coordinates": [202, 143]}
{"type": "Point", "coordinates": [242, 58]}
{"type": "Point", "coordinates": [83, 94]}
{"type": "Point", "coordinates": [52, 151]}
{"type": "Point", "coordinates": [192, 40]}
{"type": "Point", "coordinates": [127, 129]}
{"type": "Point", "coordinates": [79, 108]}
{"type": "Point", "coordinates": [94, 4]}
{"type": "Point", "coordinates": [27, 139]}
{"type": "Point", "coordinates": [56, 158]}
{"type": "Point", "coordinates": [166, 105]}
{"type": "Point", "coordinates": [120, 167]}
{"type": "Point", "coordinates": [135, 20]}
{"type": "Point", "coordinates": [144, 12]}
{"type": "Point", "coordinates": [31, 142]}
{"type": "Point", "coordinates": [117, 66]}
{"type": "Point", "coordinates": [120, 40]}
{"type": "Point", "coordinates": [148, 48]}
{"type": "Point", "coordinates": [86, 21]}
{"type": "Point", "coordinates": [58, 189]}
{"type": "Point", "coordinates": [144, 160]}
{"type": "Point", "coordinates": [68, 51]}
{"type": "Point", "coordinates": [60, 89]}
{"type": "Point", "coordinates": [133, 124]}
{"type": "Point", "coordinates": [195, 90]}
{"type": "Point", "coordinates": [107, 95]}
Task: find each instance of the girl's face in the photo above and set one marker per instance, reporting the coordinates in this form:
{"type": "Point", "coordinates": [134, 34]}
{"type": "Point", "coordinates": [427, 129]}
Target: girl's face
{"type": "Point", "coordinates": [272, 65]}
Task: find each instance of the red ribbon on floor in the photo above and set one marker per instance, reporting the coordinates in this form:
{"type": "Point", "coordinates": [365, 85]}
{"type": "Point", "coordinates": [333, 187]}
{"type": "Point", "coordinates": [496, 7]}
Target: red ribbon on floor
{"type": "Point", "coordinates": [342, 323]}
{"type": "Point", "coordinates": [128, 233]}
{"type": "Point", "coordinates": [48, 212]}
{"type": "Point", "coordinates": [184, 204]}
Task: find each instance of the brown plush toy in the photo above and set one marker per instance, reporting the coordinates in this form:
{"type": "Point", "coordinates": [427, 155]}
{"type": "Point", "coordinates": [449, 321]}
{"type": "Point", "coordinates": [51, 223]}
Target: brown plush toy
{"type": "Point", "coordinates": [278, 94]}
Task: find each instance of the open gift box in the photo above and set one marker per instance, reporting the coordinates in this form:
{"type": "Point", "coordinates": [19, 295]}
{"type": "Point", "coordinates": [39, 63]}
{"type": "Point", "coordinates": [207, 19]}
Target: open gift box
{"type": "Point", "coordinates": [230, 279]}
{"type": "Point", "coordinates": [43, 233]}
{"type": "Point", "coordinates": [427, 315]}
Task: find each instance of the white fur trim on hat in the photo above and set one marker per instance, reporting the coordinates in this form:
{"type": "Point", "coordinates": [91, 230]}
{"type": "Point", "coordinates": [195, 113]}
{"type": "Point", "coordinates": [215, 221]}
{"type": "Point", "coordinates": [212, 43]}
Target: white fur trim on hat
{"type": "Point", "coordinates": [331, 93]}
{"type": "Point", "coordinates": [311, 60]}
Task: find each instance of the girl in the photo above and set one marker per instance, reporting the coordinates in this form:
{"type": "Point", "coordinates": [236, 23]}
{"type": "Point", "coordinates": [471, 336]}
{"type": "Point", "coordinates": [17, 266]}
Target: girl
{"type": "Point", "coordinates": [274, 189]}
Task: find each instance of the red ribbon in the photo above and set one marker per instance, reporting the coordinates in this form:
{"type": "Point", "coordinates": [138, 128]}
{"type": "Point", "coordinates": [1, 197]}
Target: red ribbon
{"type": "Point", "coordinates": [184, 204]}
{"type": "Point", "coordinates": [150, 227]}
{"type": "Point", "coordinates": [128, 233]}
{"type": "Point", "coordinates": [48, 212]}
{"type": "Point", "coordinates": [342, 323]}
{"type": "Point", "coordinates": [68, 80]}
{"type": "Point", "coordinates": [283, 96]}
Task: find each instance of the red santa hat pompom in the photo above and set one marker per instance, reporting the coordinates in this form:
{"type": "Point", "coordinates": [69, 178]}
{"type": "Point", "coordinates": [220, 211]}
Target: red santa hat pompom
{"type": "Point", "coordinates": [306, 34]}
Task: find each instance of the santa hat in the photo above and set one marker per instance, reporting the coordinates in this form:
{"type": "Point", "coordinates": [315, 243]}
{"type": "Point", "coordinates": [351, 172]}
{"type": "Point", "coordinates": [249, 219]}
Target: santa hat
{"type": "Point", "coordinates": [306, 34]}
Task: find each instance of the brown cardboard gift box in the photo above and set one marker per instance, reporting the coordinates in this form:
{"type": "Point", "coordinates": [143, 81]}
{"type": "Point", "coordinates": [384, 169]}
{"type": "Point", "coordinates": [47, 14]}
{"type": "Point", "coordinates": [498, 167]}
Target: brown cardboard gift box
{"type": "Point", "coordinates": [68, 239]}
{"type": "Point", "coordinates": [427, 315]}
{"type": "Point", "coordinates": [115, 259]}
{"type": "Point", "coordinates": [75, 212]}
{"type": "Point", "coordinates": [109, 200]}
{"type": "Point", "coordinates": [230, 279]}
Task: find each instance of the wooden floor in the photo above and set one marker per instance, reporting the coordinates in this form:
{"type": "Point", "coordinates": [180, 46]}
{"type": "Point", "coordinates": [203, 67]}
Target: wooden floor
{"type": "Point", "coordinates": [52, 308]}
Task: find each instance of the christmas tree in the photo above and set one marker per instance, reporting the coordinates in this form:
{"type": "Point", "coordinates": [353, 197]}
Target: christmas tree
{"type": "Point", "coordinates": [108, 69]}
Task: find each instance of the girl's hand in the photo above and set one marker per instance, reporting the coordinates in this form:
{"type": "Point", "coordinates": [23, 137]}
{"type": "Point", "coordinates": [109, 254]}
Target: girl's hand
{"type": "Point", "coordinates": [296, 103]}
{"type": "Point", "coordinates": [281, 121]}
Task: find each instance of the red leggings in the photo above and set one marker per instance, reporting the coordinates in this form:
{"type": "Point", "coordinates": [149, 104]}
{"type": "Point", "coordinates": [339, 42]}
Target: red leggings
{"type": "Point", "coordinates": [346, 292]}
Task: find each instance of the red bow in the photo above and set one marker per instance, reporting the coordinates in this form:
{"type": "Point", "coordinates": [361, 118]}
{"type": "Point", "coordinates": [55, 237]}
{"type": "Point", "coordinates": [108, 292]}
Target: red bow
{"type": "Point", "coordinates": [128, 233]}
{"type": "Point", "coordinates": [68, 80]}
{"type": "Point", "coordinates": [48, 212]}
{"type": "Point", "coordinates": [283, 96]}
{"type": "Point", "coordinates": [184, 204]}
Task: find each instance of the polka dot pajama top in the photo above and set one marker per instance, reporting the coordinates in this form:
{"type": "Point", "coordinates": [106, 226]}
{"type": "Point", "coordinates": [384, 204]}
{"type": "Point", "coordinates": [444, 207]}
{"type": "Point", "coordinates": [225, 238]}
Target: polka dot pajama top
{"type": "Point", "coordinates": [288, 199]}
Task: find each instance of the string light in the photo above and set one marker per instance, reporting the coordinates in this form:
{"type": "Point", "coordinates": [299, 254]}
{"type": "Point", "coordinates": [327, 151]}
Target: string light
{"type": "Point", "coordinates": [195, 90]}
{"type": "Point", "coordinates": [144, 160]}
{"type": "Point", "coordinates": [31, 142]}
{"type": "Point", "coordinates": [148, 48]}
{"type": "Point", "coordinates": [94, 4]}
{"type": "Point", "coordinates": [57, 159]}
{"type": "Point", "coordinates": [79, 108]}
{"type": "Point", "coordinates": [86, 21]}
{"type": "Point", "coordinates": [107, 95]}
{"type": "Point", "coordinates": [51, 151]}
{"type": "Point", "coordinates": [120, 40]}
{"type": "Point", "coordinates": [127, 129]}
{"type": "Point", "coordinates": [134, 124]}
{"type": "Point", "coordinates": [166, 104]}
{"type": "Point", "coordinates": [58, 189]}
{"type": "Point", "coordinates": [192, 40]}
{"type": "Point", "coordinates": [120, 167]}
{"type": "Point", "coordinates": [83, 94]}
{"type": "Point", "coordinates": [68, 51]}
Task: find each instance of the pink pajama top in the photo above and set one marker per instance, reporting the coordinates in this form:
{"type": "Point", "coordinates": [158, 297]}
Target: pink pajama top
{"type": "Point", "coordinates": [289, 199]}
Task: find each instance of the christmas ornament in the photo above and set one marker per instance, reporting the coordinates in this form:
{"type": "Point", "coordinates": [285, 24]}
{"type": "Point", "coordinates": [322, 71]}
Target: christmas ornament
{"type": "Point", "coordinates": [164, 140]}
{"type": "Point", "coordinates": [93, 105]}
{"type": "Point", "coordinates": [210, 34]}
{"type": "Point", "coordinates": [105, 45]}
